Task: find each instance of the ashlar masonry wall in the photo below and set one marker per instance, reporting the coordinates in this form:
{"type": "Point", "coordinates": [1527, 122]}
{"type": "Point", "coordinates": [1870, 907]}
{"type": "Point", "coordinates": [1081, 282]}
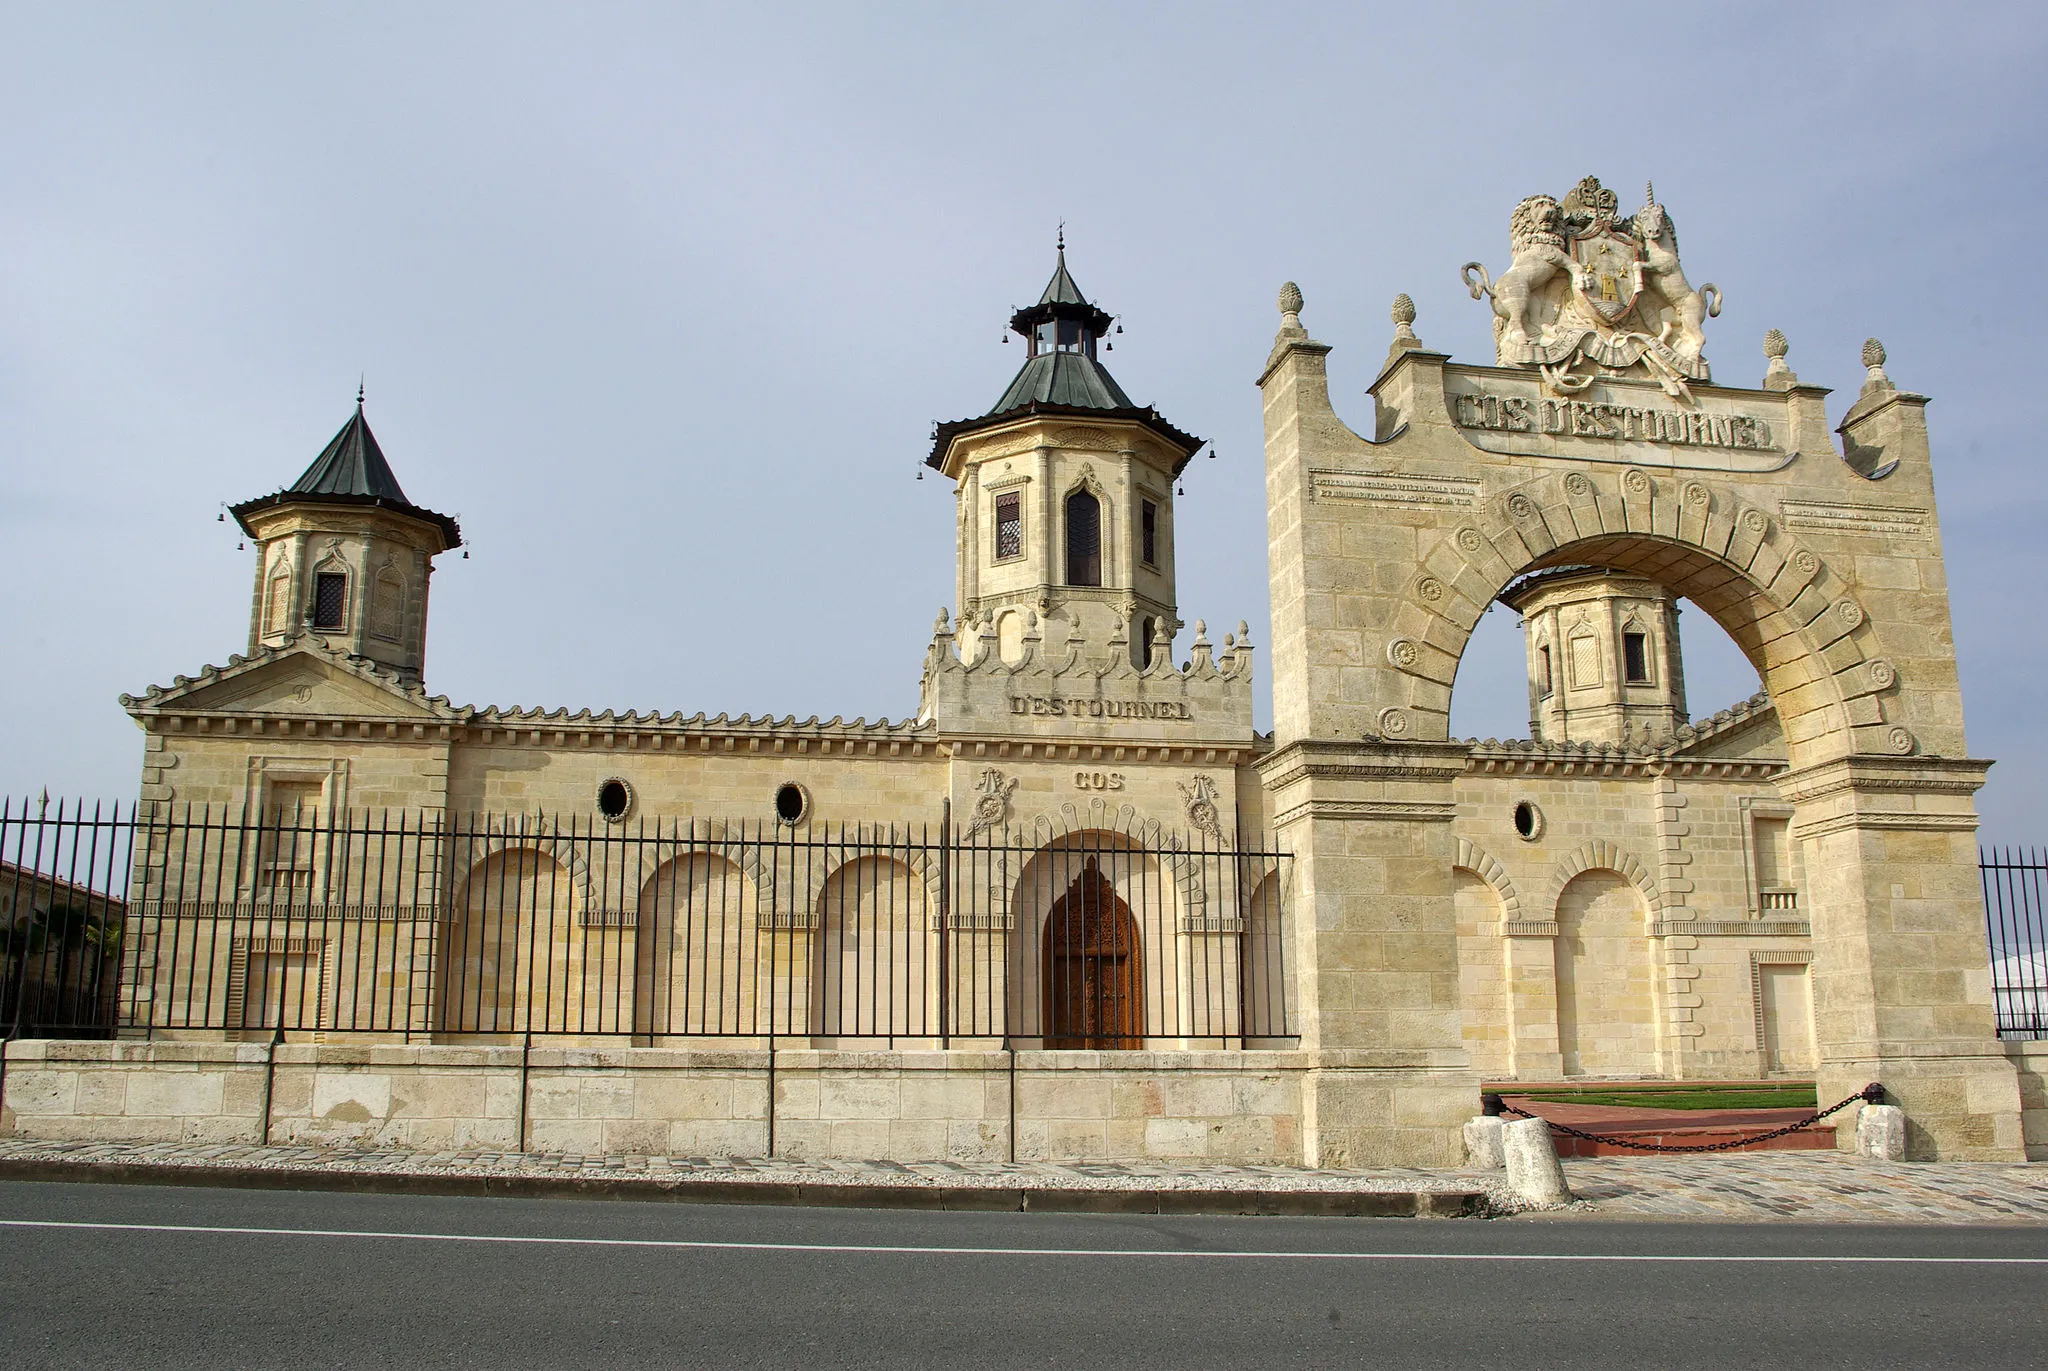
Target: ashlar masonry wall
{"type": "Point", "coordinates": [906, 1106]}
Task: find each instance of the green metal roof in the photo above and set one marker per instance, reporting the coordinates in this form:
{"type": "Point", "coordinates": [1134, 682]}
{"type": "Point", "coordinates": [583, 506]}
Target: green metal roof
{"type": "Point", "coordinates": [352, 464]}
{"type": "Point", "coordinates": [1064, 378]}
{"type": "Point", "coordinates": [1061, 290]}
{"type": "Point", "coordinates": [350, 470]}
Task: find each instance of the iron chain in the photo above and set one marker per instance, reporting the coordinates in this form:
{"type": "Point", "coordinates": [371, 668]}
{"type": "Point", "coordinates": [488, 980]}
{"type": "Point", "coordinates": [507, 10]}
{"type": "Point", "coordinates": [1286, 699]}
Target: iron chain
{"type": "Point", "coordinates": [1870, 1094]}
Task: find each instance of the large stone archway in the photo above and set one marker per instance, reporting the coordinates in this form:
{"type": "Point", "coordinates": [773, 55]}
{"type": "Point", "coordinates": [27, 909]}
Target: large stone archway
{"type": "Point", "coordinates": [1824, 565]}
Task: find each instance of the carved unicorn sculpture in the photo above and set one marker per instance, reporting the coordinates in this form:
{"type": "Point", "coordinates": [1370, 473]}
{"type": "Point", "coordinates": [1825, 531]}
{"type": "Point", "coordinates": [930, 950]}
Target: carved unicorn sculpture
{"type": "Point", "coordinates": [1663, 278]}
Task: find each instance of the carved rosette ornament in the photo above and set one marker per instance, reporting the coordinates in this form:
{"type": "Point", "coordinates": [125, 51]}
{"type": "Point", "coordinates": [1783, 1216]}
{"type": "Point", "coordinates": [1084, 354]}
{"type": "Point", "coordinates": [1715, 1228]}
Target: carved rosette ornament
{"type": "Point", "coordinates": [1199, 799]}
{"type": "Point", "coordinates": [992, 809]}
{"type": "Point", "coordinates": [1590, 293]}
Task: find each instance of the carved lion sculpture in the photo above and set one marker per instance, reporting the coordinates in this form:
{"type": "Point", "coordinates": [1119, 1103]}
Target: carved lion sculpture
{"type": "Point", "coordinates": [1662, 278]}
{"type": "Point", "coordinates": [1539, 256]}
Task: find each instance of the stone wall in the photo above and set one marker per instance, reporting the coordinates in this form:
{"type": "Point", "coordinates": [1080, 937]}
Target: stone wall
{"type": "Point", "coordinates": [2032, 1060]}
{"type": "Point", "coordinates": [905, 1106]}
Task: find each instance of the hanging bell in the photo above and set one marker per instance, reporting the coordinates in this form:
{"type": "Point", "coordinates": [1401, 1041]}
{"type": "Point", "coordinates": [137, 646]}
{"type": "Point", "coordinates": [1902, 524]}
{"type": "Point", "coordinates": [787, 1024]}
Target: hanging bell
{"type": "Point", "coordinates": [221, 517]}
{"type": "Point", "coordinates": [465, 554]}
{"type": "Point", "coordinates": [241, 546]}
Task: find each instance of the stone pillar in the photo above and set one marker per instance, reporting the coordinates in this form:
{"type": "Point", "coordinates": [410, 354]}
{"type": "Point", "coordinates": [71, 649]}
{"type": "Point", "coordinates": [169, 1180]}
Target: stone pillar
{"type": "Point", "coordinates": [1901, 972]}
{"type": "Point", "coordinates": [1377, 941]}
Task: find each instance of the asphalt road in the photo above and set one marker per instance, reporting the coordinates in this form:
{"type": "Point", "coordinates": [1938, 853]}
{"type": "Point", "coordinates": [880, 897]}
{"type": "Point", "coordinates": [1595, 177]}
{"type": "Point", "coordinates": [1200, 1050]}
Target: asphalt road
{"type": "Point", "coordinates": [108, 1275]}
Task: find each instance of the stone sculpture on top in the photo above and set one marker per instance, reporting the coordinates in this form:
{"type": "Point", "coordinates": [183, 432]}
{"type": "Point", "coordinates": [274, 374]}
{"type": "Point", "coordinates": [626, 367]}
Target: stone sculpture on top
{"type": "Point", "coordinates": [1590, 293]}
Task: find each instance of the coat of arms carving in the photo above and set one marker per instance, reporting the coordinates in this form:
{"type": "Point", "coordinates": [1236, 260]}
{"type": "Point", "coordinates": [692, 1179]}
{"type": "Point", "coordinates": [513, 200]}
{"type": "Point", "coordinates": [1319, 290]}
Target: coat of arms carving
{"type": "Point", "coordinates": [1199, 800]}
{"type": "Point", "coordinates": [1591, 293]}
{"type": "Point", "coordinates": [992, 810]}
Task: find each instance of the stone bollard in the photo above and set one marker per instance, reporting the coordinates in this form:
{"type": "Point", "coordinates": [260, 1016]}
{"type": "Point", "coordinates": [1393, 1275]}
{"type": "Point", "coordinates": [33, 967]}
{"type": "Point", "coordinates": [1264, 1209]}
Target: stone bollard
{"type": "Point", "coordinates": [1533, 1170]}
{"type": "Point", "coordinates": [1483, 1143]}
{"type": "Point", "coordinates": [1881, 1132]}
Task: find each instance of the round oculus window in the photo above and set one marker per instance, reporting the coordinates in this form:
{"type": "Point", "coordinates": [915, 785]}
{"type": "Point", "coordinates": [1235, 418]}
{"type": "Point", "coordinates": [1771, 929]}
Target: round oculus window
{"type": "Point", "coordinates": [1528, 822]}
{"type": "Point", "coordinates": [792, 803]}
{"type": "Point", "coordinates": [614, 799]}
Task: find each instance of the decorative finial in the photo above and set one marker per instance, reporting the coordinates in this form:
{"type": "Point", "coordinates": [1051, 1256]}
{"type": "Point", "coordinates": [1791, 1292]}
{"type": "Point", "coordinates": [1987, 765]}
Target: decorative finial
{"type": "Point", "coordinates": [1290, 305]}
{"type": "Point", "coordinates": [1777, 376]}
{"type": "Point", "coordinates": [1403, 315]}
{"type": "Point", "coordinates": [1061, 243]}
{"type": "Point", "coordinates": [359, 391]}
{"type": "Point", "coordinates": [1873, 353]}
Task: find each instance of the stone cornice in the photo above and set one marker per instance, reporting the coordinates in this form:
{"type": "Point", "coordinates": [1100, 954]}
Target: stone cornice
{"type": "Point", "coordinates": [1402, 811]}
{"type": "Point", "coordinates": [1334, 759]}
{"type": "Point", "coordinates": [1285, 346]}
{"type": "Point", "coordinates": [1880, 775]}
{"type": "Point", "coordinates": [1196, 751]}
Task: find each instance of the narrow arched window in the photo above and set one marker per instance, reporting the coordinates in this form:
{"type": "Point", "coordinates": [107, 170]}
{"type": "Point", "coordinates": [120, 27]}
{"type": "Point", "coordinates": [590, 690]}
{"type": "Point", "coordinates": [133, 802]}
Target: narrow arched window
{"type": "Point", "coordinates": [1084, 539]}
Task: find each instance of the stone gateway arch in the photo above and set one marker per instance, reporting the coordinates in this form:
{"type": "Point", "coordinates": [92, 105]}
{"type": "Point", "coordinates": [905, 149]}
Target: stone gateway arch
{"type": "Point", "coordinates": [1596, 446]}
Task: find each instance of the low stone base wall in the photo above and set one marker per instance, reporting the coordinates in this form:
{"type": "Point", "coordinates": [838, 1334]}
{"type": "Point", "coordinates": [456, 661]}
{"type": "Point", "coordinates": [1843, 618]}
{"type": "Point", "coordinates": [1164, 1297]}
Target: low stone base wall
{"type": "Point", "coordinates": [903, 1106]}
{"type": "Point", "coordinates": [2032, 1060]}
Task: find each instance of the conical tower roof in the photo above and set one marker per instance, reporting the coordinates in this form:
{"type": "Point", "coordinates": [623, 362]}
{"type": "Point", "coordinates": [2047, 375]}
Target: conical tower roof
{"type": "Point", "coordinates": [350, 470]}
{"type": "Point", "coordinates": [352, 464]}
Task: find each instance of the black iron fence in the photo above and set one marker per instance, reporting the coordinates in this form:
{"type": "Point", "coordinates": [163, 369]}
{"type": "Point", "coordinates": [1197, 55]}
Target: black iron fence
{"type": "Point", "coordinates": [2015, 880]}
{"type": "Point", "coordinates": [168, 919]}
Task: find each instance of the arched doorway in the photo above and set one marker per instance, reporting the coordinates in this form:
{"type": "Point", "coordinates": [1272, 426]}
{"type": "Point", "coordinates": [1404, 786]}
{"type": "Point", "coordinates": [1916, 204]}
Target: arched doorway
{"type": "Point", "coordinates": [1606, 998]}
{"type": "Point", "coordinates": [1094, 972]}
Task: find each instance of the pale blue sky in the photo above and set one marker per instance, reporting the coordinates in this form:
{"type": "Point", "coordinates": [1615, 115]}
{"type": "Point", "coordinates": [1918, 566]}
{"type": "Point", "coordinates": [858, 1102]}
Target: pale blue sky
{"type": "Point", "coordinates": [662, 301]}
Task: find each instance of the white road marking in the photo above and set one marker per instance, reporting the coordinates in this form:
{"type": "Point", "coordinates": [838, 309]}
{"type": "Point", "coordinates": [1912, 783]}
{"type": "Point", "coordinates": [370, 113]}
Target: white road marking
{"type": "Point", "coordinates": [889, 1250]}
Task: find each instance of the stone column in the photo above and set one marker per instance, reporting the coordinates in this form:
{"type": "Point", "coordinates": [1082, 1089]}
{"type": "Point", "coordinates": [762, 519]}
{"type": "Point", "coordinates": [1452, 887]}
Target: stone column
{"type": "Point", "coordinates": [1369, 827]}
{"type": "Point", "coordinates": [1901, 972]}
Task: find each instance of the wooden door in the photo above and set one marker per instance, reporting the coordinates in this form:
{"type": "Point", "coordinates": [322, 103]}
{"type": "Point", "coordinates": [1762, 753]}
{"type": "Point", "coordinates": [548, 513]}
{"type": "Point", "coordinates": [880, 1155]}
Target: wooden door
{"type": "Point", "coordinates": [1094, 971]}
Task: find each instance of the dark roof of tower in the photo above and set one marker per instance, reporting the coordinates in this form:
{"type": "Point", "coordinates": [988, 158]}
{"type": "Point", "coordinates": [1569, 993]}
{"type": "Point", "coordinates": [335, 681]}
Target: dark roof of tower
{"type": "Point", "coordinates": [350, 470]}
{"type": "Point", "coordinates": [1061, 299]}
{"type": "Point", "coordinates": [352, 464]}
{"type": "Point", "coordinates": [1064, 378]}
{"type": "Point", "coordinates": [1061, 290]}
{"type": "Point", "coordinates": [1063, 382]}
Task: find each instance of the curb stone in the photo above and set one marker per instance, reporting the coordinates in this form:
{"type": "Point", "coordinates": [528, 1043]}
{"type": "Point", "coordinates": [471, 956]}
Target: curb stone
{"type": "Point", "coordinates": [1418, 1203]}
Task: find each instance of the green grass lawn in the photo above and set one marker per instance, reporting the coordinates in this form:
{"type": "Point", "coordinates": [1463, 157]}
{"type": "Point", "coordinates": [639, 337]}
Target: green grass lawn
{"type": "Point", "coordinates": [1692, 1097]}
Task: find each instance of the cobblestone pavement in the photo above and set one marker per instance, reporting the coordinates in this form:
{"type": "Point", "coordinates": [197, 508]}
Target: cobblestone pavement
{"type": "Point", "coordinates": [1811, 1187]}
{"type": "Point", "coordinates": [1814, 1187]}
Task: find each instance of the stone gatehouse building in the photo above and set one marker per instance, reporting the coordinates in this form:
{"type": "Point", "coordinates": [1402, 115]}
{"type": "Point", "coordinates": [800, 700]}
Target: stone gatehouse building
{"type": "Point", "coordinates": [1075, 904]}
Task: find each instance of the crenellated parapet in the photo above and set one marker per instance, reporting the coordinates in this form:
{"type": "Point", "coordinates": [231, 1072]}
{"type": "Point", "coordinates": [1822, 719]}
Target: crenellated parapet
{"type": "Point", "coordinates": [1088, 689]}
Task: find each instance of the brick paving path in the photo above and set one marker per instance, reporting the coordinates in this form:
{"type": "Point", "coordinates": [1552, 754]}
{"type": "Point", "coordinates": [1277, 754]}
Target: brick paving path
{"type": "Point", "coordinates": [1816, 1187]}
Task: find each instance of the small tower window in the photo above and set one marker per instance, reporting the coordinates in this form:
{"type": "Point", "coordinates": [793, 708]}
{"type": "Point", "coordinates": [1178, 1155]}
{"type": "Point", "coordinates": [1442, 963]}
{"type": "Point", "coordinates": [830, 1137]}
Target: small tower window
{"type": "Point", "coordinates": [1545, 679]}
{"type": "Point", "coordinates": [1084, 539]}
{"type": "Point", "coordinates": [1151, 628]}
{"type": "Point", "coordinates": [1635, 658]}
{"type": "Point", "coordinates": [1148, 527]}
{"type": "Point", "coordinates": [330, 599]}
{"type": "Point", "coordinates": [1009, 527]}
